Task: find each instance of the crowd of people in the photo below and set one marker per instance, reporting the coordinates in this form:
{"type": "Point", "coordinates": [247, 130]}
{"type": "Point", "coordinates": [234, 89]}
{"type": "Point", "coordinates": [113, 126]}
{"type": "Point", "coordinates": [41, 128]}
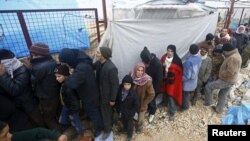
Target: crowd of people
{"type": "Point", "coordinates": [42, 97]}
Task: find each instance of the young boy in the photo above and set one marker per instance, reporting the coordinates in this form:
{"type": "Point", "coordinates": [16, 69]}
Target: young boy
{"type": "Point", "coordinates": [35, 134]}
{"type": "Point", "coordinates": [128, 104]}
{"type": "Point", "coordinates": [69, 100]}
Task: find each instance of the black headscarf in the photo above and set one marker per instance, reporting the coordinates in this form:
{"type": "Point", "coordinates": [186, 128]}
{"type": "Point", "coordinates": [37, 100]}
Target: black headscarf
{"type": "Point", "coordinates": [176, 59]}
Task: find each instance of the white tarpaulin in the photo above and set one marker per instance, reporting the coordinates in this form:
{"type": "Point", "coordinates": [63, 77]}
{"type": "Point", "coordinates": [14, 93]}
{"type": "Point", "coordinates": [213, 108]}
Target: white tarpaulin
{"type": "Point", "coordinates": [128, 37]}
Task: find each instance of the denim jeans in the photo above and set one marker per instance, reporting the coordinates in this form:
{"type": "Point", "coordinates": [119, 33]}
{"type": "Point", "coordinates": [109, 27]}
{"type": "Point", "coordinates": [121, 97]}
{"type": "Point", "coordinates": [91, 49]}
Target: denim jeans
{"type": "Point", "coordinates": [185, 99]}
{"type": "Point", "coordinates": [152, 107]}
{"type": "Point", "coordinates": [170, 103]}
{"type": "Point", "coordinates": [66, 118]}
{"type": "Point", "coordinates": [224, 87]}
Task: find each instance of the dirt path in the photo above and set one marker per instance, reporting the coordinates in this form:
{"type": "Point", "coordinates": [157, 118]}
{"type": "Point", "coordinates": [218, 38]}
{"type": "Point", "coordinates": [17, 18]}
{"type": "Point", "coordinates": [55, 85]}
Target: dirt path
{"type": "Point", "coordinates": [189, 125]}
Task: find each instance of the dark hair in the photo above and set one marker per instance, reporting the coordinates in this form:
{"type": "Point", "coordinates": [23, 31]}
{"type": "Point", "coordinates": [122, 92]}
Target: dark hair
{"type": "Point", "coordinates": [172, 47]}
{"type": "Point", "coordinates": [209, 37]}
{"type": "Point", "coordinates": [6, 54]}
{"type": "Point", "coordinates": [2, 126]}
{"type": "Point", "coordinates": [194, 49]}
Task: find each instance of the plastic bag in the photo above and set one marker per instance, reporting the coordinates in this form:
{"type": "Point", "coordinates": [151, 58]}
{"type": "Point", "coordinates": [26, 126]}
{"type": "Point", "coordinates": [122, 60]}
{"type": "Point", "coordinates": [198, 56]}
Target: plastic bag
{"type": "Point", "coordinates": [237, 115]}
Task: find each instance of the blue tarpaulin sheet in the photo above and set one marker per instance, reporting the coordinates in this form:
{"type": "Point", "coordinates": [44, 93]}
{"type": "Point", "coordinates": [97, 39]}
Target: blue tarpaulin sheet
{"type": "Point", "coordinates": [237, 115]}
{"type": "Point", "coordinates": [57, 29]}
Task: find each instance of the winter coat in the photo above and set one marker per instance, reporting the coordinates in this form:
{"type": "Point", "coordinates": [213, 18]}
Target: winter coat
{"type": "Point", "coordinates": [70, 99]}
{"type": "Point", "coordinates": [242, 41]}
{"type": "Point", "coordinates": [155, 71]}
{"type": "Point", "coordinates": [16, 119]}
{"type": "Point", "coordinates": [107, 79]}
{"type": "Point", "coordinates": [232, 40]}
{"type": "Point", "coordinates": [247, 49]}
{"type": "Point", "coordinates": [82, 80]}
{"type": "Point", "coordinates": [216, 64]}
{"type": "Point", "coordinates": [172, 83]}
{"type": "Point", "coordinates": [146, 94]}
{"type": "Point", "coordinates": [18, 89]}
{"type": "Point", "coordinates": [130, 105]}
{"type": "Point", "coordinates": [43, 78]}
{"type": "Point", "coordinates": [205, 70]}
{"type": "Point", "coordinates": [35, 134]}
{"type": "Point", "coordinates": [230, 68]}
{"type": "Point", "coordinates": [190, 72]}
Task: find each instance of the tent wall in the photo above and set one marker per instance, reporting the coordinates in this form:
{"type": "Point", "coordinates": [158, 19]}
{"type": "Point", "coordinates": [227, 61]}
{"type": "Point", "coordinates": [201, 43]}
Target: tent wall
{"type": "Point", "coordinates": [159, 12]}
{"type": "Point", "coordinates": [128, 37]}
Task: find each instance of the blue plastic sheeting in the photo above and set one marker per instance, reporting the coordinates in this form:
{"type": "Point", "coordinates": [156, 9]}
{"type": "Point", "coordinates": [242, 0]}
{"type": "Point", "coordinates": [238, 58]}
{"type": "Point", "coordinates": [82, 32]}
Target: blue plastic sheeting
{"type": "Point", "coordinates": [234, 26]}
{"type": "Point", "coordinates": [57, 29]}
{"type": "Point", "coordinates": [11, 36]}
{"type": "Point", "coordinates": [54, 4]}
{"type": "Point", "coordinates": [237, 115]}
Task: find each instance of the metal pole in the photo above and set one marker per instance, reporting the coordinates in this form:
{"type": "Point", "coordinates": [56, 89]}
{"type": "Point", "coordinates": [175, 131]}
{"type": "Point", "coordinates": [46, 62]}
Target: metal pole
{"type": "Point", "coordinates": [230, 13]}
{"type": "Point", "coordinates": [104, 13]}
{"type": "Point", "coordinates": [24, 28]}
{"type": "Point", "coordinates": [97, 26]}
{"type": "Point", "coordinates": [241, 16]}
{"type": "Point", "coordinates": [227, 15]}
{"type": "Point", "coordinates": [249, 22]}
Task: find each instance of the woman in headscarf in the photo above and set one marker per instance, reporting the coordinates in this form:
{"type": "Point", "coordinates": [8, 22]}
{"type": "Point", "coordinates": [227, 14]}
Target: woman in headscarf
{"type": "Point", "coordinates": [241, 37]}
{"type": "Point", "coordinates": [145, 91]}
{"type": "Point", "coordinates": [172, 83]}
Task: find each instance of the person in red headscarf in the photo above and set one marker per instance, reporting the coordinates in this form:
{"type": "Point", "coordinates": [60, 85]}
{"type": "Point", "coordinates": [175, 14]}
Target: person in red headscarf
{"type": "Point", "coordinates": [172, 83]}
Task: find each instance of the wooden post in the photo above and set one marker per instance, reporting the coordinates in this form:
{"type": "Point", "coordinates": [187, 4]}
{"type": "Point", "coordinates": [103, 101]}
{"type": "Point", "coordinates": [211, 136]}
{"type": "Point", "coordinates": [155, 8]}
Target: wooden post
{"type": "Point", "coordinates": [229, 14]}
{"type": "Point", "coordinates": [104, 13]}
{"type": "Point", "coordinates": [241, 16]}
{"type": "Point", "coordinates": [24, 28]}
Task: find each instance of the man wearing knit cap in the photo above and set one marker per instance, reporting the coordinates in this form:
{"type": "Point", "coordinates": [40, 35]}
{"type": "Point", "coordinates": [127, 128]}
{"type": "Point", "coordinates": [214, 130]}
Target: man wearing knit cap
{"type": "Point", "coordinates": [153, 69]}
{"type": "Point", "coordinates": [108, 83]}
{"type": "Point", "coordinates": [191, 69]}
{"type": "Point", "coordinates": [106, 52]}
{"type": "Point", "coordinates": [228, 76]}
{"type": "Point", "coordinates": [46, 88]}
{"type": "Point", "coordinates": [83, 82]}
{"type": "Point", "coordinates": [39, 49]}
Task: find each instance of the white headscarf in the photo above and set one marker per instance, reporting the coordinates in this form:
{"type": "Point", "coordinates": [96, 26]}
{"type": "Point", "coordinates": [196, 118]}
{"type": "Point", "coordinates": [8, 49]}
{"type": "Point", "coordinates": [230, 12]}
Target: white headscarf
{"type": "Point", "coordinates": [241, 26]}
{"type": "Point", "coordinates": [10, 65]}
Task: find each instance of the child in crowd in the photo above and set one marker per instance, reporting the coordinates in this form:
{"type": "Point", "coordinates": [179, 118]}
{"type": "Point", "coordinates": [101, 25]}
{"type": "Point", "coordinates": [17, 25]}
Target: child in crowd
{"type": "Point", "coordinates": [127, 105]}
{"type": "Point", "coordinates": [69, 100]}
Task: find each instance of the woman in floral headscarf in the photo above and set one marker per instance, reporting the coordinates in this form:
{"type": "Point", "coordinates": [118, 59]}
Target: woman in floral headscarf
{"type": "Point", "coordinates": [145, 91]}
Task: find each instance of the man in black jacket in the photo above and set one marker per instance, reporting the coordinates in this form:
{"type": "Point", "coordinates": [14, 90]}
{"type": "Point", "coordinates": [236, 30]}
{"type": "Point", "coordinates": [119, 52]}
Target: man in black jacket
{"type": "Point", "coordinates": [108, 84]}
{"type": "Point", "coordinates": [15, 85]}
{"type": "Point", "coordinates": [45, 86]}
{"type": "Point", "coordinates": [153, 69]}
{"type": "Point", "coordinates": [82, 80]}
